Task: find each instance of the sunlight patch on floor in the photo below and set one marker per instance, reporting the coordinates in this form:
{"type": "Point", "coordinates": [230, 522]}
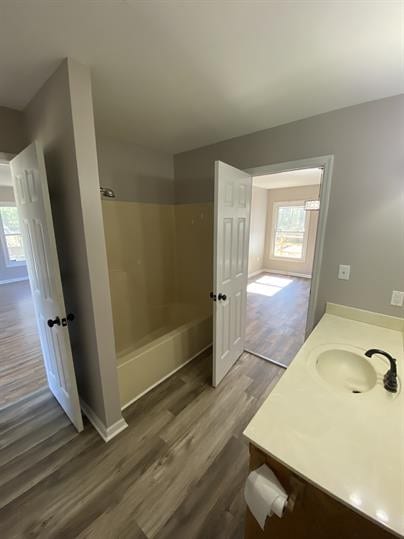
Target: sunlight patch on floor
{"type": "Point", "coordinates": [268, 285]}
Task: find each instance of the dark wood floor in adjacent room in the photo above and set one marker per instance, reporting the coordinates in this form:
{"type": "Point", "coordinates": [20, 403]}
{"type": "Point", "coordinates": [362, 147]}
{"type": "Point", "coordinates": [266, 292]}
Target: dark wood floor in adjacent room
{"type": "Point", "coordinates": [21, 364]}
{"type": "Point", "coordinates": [276, 315]}
{"type": "Point", "coordinates": [177, 471]}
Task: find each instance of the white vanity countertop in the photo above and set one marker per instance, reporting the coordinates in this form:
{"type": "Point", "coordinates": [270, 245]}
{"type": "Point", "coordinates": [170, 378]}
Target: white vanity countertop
{"type": "Point", "coordinates": [349, 445]}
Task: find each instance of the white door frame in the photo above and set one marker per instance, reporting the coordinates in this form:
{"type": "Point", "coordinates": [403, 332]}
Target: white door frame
{"type": "Point", "coordinates": [325, 162]}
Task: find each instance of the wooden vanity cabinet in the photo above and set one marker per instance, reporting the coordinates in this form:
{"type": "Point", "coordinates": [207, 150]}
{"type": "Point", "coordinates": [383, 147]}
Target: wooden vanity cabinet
{"type": "Point", "coordinates": [315, 515]}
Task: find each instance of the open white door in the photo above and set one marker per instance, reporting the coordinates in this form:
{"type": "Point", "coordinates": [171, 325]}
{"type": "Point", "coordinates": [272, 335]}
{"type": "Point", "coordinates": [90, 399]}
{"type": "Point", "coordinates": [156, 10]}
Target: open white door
{"type": "Point", "coordinates": [230, 266]}
{"type": "Point", "coordinates": [32, 199]}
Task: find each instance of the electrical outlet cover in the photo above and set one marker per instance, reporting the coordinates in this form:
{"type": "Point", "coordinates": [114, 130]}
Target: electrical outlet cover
{"type": "Point", "coordinates": [397, 298]}
{"type": "Point", "coordinates": [344, 272]}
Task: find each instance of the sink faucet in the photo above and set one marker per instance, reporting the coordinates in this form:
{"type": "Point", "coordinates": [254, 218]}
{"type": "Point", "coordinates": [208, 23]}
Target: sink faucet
{"type": "Point", "coordinates": [390, 378]}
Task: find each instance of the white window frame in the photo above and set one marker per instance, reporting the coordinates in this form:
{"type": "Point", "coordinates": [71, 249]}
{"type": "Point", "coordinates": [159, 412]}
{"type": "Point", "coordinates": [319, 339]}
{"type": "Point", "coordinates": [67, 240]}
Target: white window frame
{"type": "Point", "coordinates": [275, 210]}
{"type": "Point", "coordinates": [9, 263]}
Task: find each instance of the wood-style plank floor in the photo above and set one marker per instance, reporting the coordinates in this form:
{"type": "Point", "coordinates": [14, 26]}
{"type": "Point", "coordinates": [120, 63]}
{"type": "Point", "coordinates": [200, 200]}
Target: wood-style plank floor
{"type": "Point", "coordinates": [21, 364]}
{"type": "Point", "coordinates": [276, 315]}
{"type": "Point", "coordinates": [177, 471]}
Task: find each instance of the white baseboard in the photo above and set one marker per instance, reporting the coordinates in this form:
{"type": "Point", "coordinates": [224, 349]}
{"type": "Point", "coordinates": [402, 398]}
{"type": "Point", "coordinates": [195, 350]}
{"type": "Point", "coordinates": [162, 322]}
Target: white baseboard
{"type": "Point", "coordinates": [291, 273]}
{"type": "Point", "coordinates": [17, 280]}
{"type": "Point", "coordinates": [127, 404]}
{"type": "Point", "coordinates": [106, 433]}
{"type": "Point", "coordinates": [256, 273]}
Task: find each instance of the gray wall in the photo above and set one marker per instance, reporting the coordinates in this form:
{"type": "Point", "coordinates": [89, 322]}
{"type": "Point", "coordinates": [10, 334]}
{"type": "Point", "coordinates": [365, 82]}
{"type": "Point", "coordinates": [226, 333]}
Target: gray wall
{"type": "Point", "coordinates": [136, 174]}
{"type": "Point", "coordinates": [13, 136]}
{"type": "Point", "coordinates": [366, 218]}
{"type": "Point", "coordinates": [60, 116]}
{"type": "Point", "coordinates": [9, 273]}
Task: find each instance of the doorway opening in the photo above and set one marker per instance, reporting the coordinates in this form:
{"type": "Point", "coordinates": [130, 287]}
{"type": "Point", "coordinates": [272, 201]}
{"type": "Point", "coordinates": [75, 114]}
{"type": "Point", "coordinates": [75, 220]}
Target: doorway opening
{"type": "Point", "coordinates": [283, 230]}
{"type": "Point", "coordinates": [22, 370]}
{"type": "Point", "coordinates": [276, 266]}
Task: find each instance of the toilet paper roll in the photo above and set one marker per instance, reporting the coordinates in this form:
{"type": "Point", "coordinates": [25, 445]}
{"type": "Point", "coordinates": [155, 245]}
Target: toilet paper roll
{"type": "Point", "coordinates": [264, 494]}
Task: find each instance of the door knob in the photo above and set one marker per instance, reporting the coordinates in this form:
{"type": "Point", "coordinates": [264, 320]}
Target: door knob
{"type": "Point", "coordinates": [69, 318]}
{"type": "Point", "coordinates": [213, 296]}
{"type": "Point", "coordinates": [222, 296]}
{"type": "Point", "coordinates": [55, 322]}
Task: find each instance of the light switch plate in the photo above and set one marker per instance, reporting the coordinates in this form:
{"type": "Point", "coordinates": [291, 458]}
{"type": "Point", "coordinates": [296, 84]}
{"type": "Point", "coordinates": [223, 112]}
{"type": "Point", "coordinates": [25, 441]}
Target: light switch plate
{"type": "Point", "coordinates": [344, 271]}
{"type": "Point", "coordinates": [397, 298]}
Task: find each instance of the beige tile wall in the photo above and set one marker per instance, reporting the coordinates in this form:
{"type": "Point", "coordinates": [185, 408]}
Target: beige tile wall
{"type": "Point", "coordinates": [140, 241]}
{"type": "Point", "coordinates": [194, 234]}
{"type": "Point", "coordinates": [157, 261]}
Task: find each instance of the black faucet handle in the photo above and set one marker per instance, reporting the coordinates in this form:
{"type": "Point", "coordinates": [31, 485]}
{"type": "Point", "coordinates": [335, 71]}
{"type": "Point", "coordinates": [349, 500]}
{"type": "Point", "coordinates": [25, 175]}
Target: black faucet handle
{"type": "Point", "coordinates": [390, 382]}
{"type": "Point", "coordinates": [390, 378]}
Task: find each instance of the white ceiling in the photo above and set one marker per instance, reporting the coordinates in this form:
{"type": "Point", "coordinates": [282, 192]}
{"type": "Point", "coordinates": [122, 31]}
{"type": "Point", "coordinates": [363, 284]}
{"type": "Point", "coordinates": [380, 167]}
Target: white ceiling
{"type": "Point", "coordinates": [175, 75]}
{"type": "Point", "coordinates": [294, 178]}
{"type": "Point", "coordinates": [5, 175]}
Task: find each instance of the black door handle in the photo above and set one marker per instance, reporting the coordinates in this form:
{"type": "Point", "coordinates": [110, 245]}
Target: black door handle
{"type": "Point", "coordinates": [69, 318]}
{"type": "Point", "coordinates": [219, 296]}
{"type": "Point", "coordinates": [55, 322]}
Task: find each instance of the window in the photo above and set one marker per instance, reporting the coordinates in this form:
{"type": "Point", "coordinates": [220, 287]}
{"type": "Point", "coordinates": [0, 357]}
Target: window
{"type": "Point", "coordinates": [289, 236]}
{"type": "Point", "coordinates": [11, 238]}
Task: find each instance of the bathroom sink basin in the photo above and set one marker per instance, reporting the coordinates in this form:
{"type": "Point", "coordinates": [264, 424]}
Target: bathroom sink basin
{"type": "Point", "coordinates": [346, 371]}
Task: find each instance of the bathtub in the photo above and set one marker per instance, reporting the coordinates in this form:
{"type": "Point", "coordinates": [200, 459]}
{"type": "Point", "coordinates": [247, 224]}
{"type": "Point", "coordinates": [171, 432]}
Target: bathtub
{"type": "Point", "coordinates": [184, 335]}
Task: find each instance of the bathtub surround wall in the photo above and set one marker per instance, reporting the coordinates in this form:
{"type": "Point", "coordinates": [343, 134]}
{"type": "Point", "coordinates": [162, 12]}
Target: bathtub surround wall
{"type": "Point", "coordinates": [303, 267]}
{"type": "Point", "coordinates": [140, 241]}
{"type": "Point", "coordinates": [366, 217]}
{"type": "Point", "coordinates": [161, 310]}
{"type": "Point", "coordinates": [60, 116]}
{"type": "Point", "coordinates": [194, 233]}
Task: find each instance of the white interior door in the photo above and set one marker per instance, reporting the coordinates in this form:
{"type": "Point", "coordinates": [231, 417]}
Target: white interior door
{"type": "Point", "coordinates": [32, 199]}
{"type": "Point", "coordinates": [230, 265]}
